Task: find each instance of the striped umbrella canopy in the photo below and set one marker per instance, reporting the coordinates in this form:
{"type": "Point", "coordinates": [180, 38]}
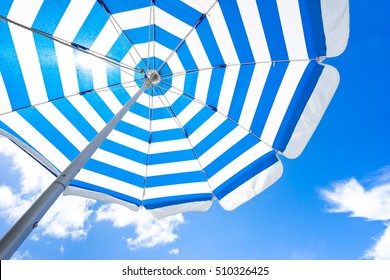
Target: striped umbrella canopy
{"type": "Point", "coordinates": [205, 94]}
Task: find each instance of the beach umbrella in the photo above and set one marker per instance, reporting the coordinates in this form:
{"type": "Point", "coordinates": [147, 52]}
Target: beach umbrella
{"type": "Point", "coordinates": [166, 105]}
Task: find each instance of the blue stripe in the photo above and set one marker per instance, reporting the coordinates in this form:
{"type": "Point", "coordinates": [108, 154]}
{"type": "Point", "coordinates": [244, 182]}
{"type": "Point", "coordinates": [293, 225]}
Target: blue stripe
{"type": "Point", "coordinates": [49, 66]}
{"type": "Point", "coordinates": [201, 117]}
{"type": "Point", "coordinates": [11, 71]}
{"type": "Point", "coordinates": [272, 26]}
{"type": "Point", "coordinates": [92, 26]}
{"type": "Point", "coordinates": [214, 137]}
{"type": "Point", "coordinates": [180, 11]}
{"type": "Point", "coordinates": [209, 43]}
{"type": "Point", "coordinates": [115, 6]}
{"type": "Point", "coordinates": [166, 39]}
{"type": "Point", "coordinates": [190, 83]}
{"type": "Point", "coordinates": [120, 48]}
{"type": "Point", "coordinates": [246, 174]}
{"type": "Point", "coordinates": [313, 27]}
{"type": "Point", "coordinates": [168, 135]}
{"type": "Point", "coordinates": [231, 154]}
{"type": "Point", "coordinates": [186, 57]}
{"type": "Point", "coordinates": [100, 106]}
{"type": "Point", "coordinates": [215, 86]}
{"type": "Point", "coordinates": [169, 157]}
{"type": "Point", "coordinates": [242, 86]}
{"type": "Point", "coordinates": [176, 200]}
{"type": "Point", "coordinates": [75, 118]}
{"type": "Point", "coordinates": [301, 96]}
{"type": "Point", "coordinates": [139, 35]}
{"type": "Point", "coordinates": [5, 6]}
{"type": "Point", "coordinates": [120, 93]}
{"type": "Point", "coordinates": [114, 172]}
{"type": "Point", "coordinates": [174, 179]}
{"type": "Point", "coordinates": [133, 130]}
{"type": "Point", "coordinates": [113, 75]}
{"type": "Point", "coordinates": [44, 127]}
{"type": "Point", "coordinates": [116, 148]}
{"type": "Point", "coordinates": [84, 71]}
{"type": "Point", "coordinates": [267, 98]}
{"type": "Point", "coordinates": [90, 187]}
{"type": "Point", "coordinates": [237, 30]}
{"type": "Point", "coordinates": [181, 103]}
{"type": "Point", "coordinates": [49, 15]}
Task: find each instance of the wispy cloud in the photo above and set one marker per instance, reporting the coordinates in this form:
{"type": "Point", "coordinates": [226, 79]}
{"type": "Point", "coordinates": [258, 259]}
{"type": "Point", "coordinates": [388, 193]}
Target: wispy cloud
{"type": "Point", "coordinates": [149, 232]}
{"type": "Point", "coordinates": [369, 199]}
{"type": "Point", "coordinates": [66, 218]}
{"type": "Point", "coordinates": [174, 251]}
{"type": "Point", "coordinates": [70, 216]}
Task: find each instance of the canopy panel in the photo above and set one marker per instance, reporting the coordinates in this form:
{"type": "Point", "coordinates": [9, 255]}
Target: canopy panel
{"type": "Point", "coordinates": [241, 82]}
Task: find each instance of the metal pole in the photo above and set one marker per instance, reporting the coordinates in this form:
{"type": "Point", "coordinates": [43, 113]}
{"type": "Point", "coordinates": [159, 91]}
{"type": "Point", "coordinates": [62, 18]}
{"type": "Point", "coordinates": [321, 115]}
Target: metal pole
{"type": "Point", "coordinates": [23, 227]}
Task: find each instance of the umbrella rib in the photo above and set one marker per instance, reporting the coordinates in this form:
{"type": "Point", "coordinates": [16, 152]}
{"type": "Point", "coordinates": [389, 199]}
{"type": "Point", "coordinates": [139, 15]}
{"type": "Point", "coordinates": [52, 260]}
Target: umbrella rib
{"type": "Point", "coordinates": [112, 87]}
{"type": "Point", "coordinates": [185, 38]}
{"type": "Point", "coordinates": [176, 119]}
{"type": "Point", "coordinates": [273, 62]}
{"type": "Point", "coordinates": [75, 46]}
{"type": "Point", "coordinates": [190, 97]}
{"type": "Point", "coordinates": [120, 31]}
{"type": "Point", "coordinates": [152, 33]}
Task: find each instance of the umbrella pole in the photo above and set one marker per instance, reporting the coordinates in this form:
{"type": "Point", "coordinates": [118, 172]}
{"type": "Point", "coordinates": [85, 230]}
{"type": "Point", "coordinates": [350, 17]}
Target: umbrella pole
{"type": "Point", "coordinates": [23, 227]}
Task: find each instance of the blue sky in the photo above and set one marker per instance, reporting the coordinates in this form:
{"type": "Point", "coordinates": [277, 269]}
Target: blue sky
{"type": "Point", "coordinates": [333, 202]}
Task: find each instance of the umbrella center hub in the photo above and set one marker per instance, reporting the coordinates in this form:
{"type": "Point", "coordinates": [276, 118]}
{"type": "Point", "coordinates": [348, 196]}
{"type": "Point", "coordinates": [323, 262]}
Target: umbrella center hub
{"type": "Point", "coordinates": [153, 78]}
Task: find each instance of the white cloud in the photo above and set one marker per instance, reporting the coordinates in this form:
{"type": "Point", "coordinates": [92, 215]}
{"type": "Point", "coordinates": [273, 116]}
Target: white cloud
{"type": "Point", "coordinates": [21, 256]}
{"type": "Point", "coordinates": [69, 217]}
{"type": "Point", "coordinates": [66, 218]}
{"type": "Point", "coordinates": [149, 231]}
{"type": "Point", "coordinates": [371, 202]}
{"type": "Point", "coordinates": [174, 251]}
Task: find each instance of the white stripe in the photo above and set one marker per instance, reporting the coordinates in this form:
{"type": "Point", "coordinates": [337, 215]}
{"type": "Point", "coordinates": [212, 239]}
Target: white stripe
{"type": "Point", "coordinates": [73, 19]}
{"type": "Point", "coordinates": [128, 141]}
{"type": "Point", "coordinates": [259, 78]}
{"type": "Point", "coordinates": [25, 12]}
{"type": "Point", "coordinates": [222, 35]}
{"type": "Point", "coordinates": [252, 187]}
{"type": "Point", "coordinates": [133, 19]}
{"type": "Point", "coordinates": [120, 162]}
{"type": "Point", "coordinates": [5, 104]}
{"type": "Point", "coordinates": [137, 121]}
{"type": "Point", "coordinates": [169, 146]}
{"type": "Point", "coordinates": [222, 146]}
{"type": "Point", "coordinates": [86, 110]}
{"type": "Point", "coordinates": [179, 189]}
{"type": "Point", "coordinates": [254, 29]}
{"type": "Point", "coordinates": [197, 51]}
{"type": "Point", "coordinates": [189, 112]}
{"type": "Point", "coordinates": [171, 24]}
{"type": "Point", "coordinates": [313, 112]}
{"type": "Point", "coordinates": [106, 39]}
{"type": "Point", "coordinates": [227, 90]}
{"type": "Point", "coordinates": [62, 124]}
{"type": "Point", "coordinates": [290, 17]}
{"type": "Point", "coordinates": [173, 167]}
{"type": "Point", "coordinates": [238, 164]}
{"type": "Point", "coordinates": [201, 6]}
{"type": "Point", "coordinates": [29, 63]}
{"type": "Point", "coordinates": [282, 100]}
{"type": "Point", "coordinates": [99, 72]}
{"type": "Point", "coordinates": [202, 85]}
{"type": "Point", "coordinates": [36, 140]}
{"type": "Point", "coordinates": [206, 128]}
{"type": "Point", "coordinates": [164, 124]}
{"type": "Point", "coordinates": [67, 67]}
{"type": "Point", "coordinates": [109, 183]}
{"type": "Point", "coordinates": [110, 100]}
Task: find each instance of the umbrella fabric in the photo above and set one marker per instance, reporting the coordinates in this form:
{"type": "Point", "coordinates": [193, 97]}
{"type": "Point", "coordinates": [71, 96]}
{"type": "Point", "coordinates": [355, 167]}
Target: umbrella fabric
{"type": "Point", "coordinates": [240, 83]}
